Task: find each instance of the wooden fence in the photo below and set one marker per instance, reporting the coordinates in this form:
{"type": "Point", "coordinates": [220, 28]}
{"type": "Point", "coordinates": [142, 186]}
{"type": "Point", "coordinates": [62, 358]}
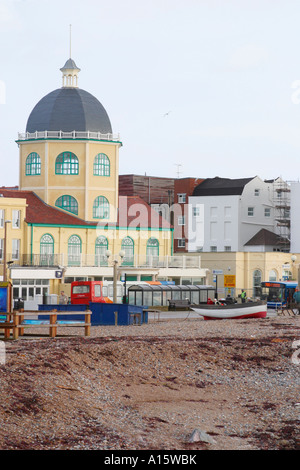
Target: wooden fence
{"type": "Point", "coordinates": [16, 322]}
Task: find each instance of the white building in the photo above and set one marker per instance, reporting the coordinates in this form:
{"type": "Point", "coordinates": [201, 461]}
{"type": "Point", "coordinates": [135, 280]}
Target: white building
{"type": "Point", "coordinates": [246, 214]}
{"type": "Point", "coordinates": [295, 216]}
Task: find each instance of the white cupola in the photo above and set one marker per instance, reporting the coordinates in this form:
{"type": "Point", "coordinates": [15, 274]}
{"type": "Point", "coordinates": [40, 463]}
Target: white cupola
{"type": "Point", "coordinates": [70, 74]}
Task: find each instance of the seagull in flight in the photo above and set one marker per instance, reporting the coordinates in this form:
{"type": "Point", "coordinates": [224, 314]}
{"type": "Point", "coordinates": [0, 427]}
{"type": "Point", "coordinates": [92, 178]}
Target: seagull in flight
{"type": "Point", "coordinates": [166, 114]}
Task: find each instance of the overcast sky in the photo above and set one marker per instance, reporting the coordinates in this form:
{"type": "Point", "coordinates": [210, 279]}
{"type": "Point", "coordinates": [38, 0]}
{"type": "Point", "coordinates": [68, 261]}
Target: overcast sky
{"type": "Point", "coordinates": [226, 72]}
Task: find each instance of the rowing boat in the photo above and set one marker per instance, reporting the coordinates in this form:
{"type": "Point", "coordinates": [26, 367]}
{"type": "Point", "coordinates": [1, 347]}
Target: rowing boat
{"type": "Point", "coordinates": [231, 311]}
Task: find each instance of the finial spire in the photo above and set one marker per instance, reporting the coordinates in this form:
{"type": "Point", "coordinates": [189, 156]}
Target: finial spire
{"type": "Point", "coordinates": [70, 69]}
{"type": "Point", "coordinates": [70, 41]}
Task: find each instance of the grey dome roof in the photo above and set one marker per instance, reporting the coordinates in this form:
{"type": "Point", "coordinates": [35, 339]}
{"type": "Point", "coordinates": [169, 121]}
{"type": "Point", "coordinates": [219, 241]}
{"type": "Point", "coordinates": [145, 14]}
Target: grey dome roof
{"type": "Point", "coordinates": [67, 110]}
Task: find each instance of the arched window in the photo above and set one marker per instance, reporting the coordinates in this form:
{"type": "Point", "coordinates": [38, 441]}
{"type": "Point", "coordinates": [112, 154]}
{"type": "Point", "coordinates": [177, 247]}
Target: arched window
{"type": "Point", "coordinates": [152, 251]}
{"type": "Point", "coordinates": [74, 250]}
{"type": "Point", "coordinates": [33, 164]}
{"type": "Point", "coordinates": [68, 203]}
{"type": "Point", "coordinates": [101, 208]}
{"type": "Point", "coordinates": [66, 164]}
{"type": "Point", "coordinates": [128, 248]}
{"type": "Point", "coordinates": [257, 283]}
{"type": "Point", "coordinates": [47, 250]}
{"type": "Point", "coordinates": [272, 275]}
{"type": "Point", "coordinates": [101, 247]}
{"type": "Point", "coordinates": [101, 165]}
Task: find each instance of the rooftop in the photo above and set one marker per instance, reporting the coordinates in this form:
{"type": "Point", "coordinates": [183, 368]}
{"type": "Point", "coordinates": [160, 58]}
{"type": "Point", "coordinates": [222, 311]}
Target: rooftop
{"type": "Point", "coordinates": [221, 186]}
{"type": "Point", "coordinates": [133, 212]}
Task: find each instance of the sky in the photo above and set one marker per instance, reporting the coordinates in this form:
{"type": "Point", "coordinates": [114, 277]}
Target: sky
{"type": "Point", "coordinates": [196, 88]}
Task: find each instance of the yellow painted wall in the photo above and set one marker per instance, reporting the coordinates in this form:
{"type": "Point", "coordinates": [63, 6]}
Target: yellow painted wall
{"type": "Point", "coordinates": [35, 183]}
{"type": "Point", "coordinates": [243, 265]}
{"type": "Point", "coordinates": [88, 238]}
{"type": "Point", "coordinates": [84, 187]}
{"type": "Point", "coordinates": [8, 205]}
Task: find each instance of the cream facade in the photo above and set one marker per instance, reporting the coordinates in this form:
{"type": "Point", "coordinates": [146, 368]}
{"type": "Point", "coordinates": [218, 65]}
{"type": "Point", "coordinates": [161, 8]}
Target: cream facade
{"type": "Point", "coordinates": [246, 270]}
{"type": "Point", "coordinates": [94, 173]}
{"type": "Point", "coordinates": [13, 230]}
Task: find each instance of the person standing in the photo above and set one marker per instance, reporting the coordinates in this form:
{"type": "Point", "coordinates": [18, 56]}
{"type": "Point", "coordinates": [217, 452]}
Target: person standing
{"type": "Point", "coordinates": [63, 298]}
{"type": "Point", "coordinates": [243, 296]}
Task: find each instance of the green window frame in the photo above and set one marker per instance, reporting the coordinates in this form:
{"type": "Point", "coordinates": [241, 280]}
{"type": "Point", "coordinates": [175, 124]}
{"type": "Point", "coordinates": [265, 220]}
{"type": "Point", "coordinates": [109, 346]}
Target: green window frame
{"type": "Point", "coordinates": [33, 164]}
{"type": "Point", "coordinates": [101, 165]}
{"type": "Point", "coordinates": [68, 203]}
{"type": "Point", "coordinates": [127, 246]}
{"type": "Point", "coordinates": [66, 164]}
{"type": "Point", "coordinates": [101, 246]}
{"type": "Point", "coordinates": [47, 250]}
{"type": "Point", "coordinates": [101, 209]}
{"type": "Point", "coordinates": [152, 251]}
{"type": "Point", "coordinates": [74, 250]}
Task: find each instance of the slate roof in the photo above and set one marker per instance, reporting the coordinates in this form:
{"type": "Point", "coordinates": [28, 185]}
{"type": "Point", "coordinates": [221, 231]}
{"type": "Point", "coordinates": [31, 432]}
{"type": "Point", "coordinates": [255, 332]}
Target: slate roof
{"type": "Point", "coordinates": [133, 212]}
{"type": "Point", "coordinates": [264, 237]}
{"type": "Point", "coordinates": [70, 64]}
{"type": "Point", "coordinates": [221, 186]}
{"type": "Point", "coordinates": [67, 110]}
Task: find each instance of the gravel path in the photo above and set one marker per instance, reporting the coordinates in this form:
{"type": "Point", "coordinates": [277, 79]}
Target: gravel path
{"type": "Point", "coordinates": [151, 386]}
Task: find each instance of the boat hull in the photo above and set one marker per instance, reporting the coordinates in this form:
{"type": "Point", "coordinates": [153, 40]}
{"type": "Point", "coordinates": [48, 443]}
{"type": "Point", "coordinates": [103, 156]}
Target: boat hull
{"type": "Point", "coordinates": [235, 311]}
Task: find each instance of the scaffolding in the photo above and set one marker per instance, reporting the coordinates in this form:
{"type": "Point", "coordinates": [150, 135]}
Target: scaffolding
{"type": "Point", "coordinates": [282, 217]}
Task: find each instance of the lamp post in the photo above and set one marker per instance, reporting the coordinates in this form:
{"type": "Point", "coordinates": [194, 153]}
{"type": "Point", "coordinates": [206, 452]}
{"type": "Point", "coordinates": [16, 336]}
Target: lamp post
{"type": "Point", "coordinates": [4, 249]}
{"type": "Point", "coordinates": [294, 258]}
{"type": "Point", "coordinates": [115, 266]}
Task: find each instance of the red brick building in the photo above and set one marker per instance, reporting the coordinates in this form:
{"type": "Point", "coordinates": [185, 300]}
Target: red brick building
{"type": "Point", "coordinates": [168, 196]}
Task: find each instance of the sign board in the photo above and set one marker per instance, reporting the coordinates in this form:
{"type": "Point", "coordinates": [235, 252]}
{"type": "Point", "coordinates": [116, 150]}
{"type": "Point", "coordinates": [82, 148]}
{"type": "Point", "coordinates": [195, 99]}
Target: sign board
{"type": "Point", "coordinates": [272, 284]}
{"type": "Point", "coordinates": [217, 271]}
{"type": "Point", "coordinates": [5, 297]}
{"type": "Point", "coordinates": [229, 280]}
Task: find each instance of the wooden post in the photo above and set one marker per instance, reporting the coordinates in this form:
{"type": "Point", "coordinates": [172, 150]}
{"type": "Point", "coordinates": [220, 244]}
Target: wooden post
{"type": "Point", "coordinates": [15, 327]}
{"type": "Point", "coordinates": [53, 327]}
{"type": "Point", "coordinates": [20, 322]}
{"type": "Point", "coordinates": [87, 321]}
{"type": "Point", "coordinates": [7, 330]}
{"type": "Point", "coordinates": [116, 318]}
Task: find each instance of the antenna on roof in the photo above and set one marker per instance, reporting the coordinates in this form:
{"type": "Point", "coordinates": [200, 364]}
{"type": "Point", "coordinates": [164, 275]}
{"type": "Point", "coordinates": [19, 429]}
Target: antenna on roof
{"type": "Point", "coordinates": [70, 40]}
{"type": "Point", "coordinates": [178, 170]}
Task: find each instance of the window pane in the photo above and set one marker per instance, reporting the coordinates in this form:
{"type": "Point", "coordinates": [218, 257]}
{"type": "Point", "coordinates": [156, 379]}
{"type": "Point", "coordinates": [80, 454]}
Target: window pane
{"type": "Point", "coordinates": [68, 203]}
{"type": "Point", "coordinates": [16, 219]}
{"type": "Point", "coordinates": [101, 209]}
{"type": "Point", "coordinates": [67, 164]}
{"type": "Point", "coordinates": [33, 164]}
{"type": "Point", "coordinates": [101, 165]}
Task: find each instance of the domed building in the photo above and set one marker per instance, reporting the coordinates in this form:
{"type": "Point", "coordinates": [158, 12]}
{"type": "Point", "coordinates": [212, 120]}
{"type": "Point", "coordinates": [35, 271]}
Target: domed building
{"type": "Point", "coordinates": [69, 155]}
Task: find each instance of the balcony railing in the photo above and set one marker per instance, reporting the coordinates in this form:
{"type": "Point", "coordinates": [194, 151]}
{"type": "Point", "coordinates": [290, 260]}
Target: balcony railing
{"type": "Point", "coordinates": [68, 135]}
{"type": "Point", "coordinates": [83, 260]}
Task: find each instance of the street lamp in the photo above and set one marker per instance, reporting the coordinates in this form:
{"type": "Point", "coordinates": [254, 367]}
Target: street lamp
{"type": "Point", "coordinates": [294, 258]}
{"type": "Point", "coordinates": [115, 266]}
{"type": "Point", "coordinates": [4, 249]}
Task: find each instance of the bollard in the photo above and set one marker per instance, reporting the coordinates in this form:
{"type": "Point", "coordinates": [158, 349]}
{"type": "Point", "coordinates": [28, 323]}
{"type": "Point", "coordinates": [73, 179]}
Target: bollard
{"type": "Point", "coordinates": [2, 353]}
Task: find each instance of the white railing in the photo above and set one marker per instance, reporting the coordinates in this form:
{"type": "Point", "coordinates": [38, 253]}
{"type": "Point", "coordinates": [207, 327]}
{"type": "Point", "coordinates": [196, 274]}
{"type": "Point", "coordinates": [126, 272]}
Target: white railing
{"type": "Point", "coordinates": [136, 261]}
{"type": "Point", "coordinates": [68, 135]}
